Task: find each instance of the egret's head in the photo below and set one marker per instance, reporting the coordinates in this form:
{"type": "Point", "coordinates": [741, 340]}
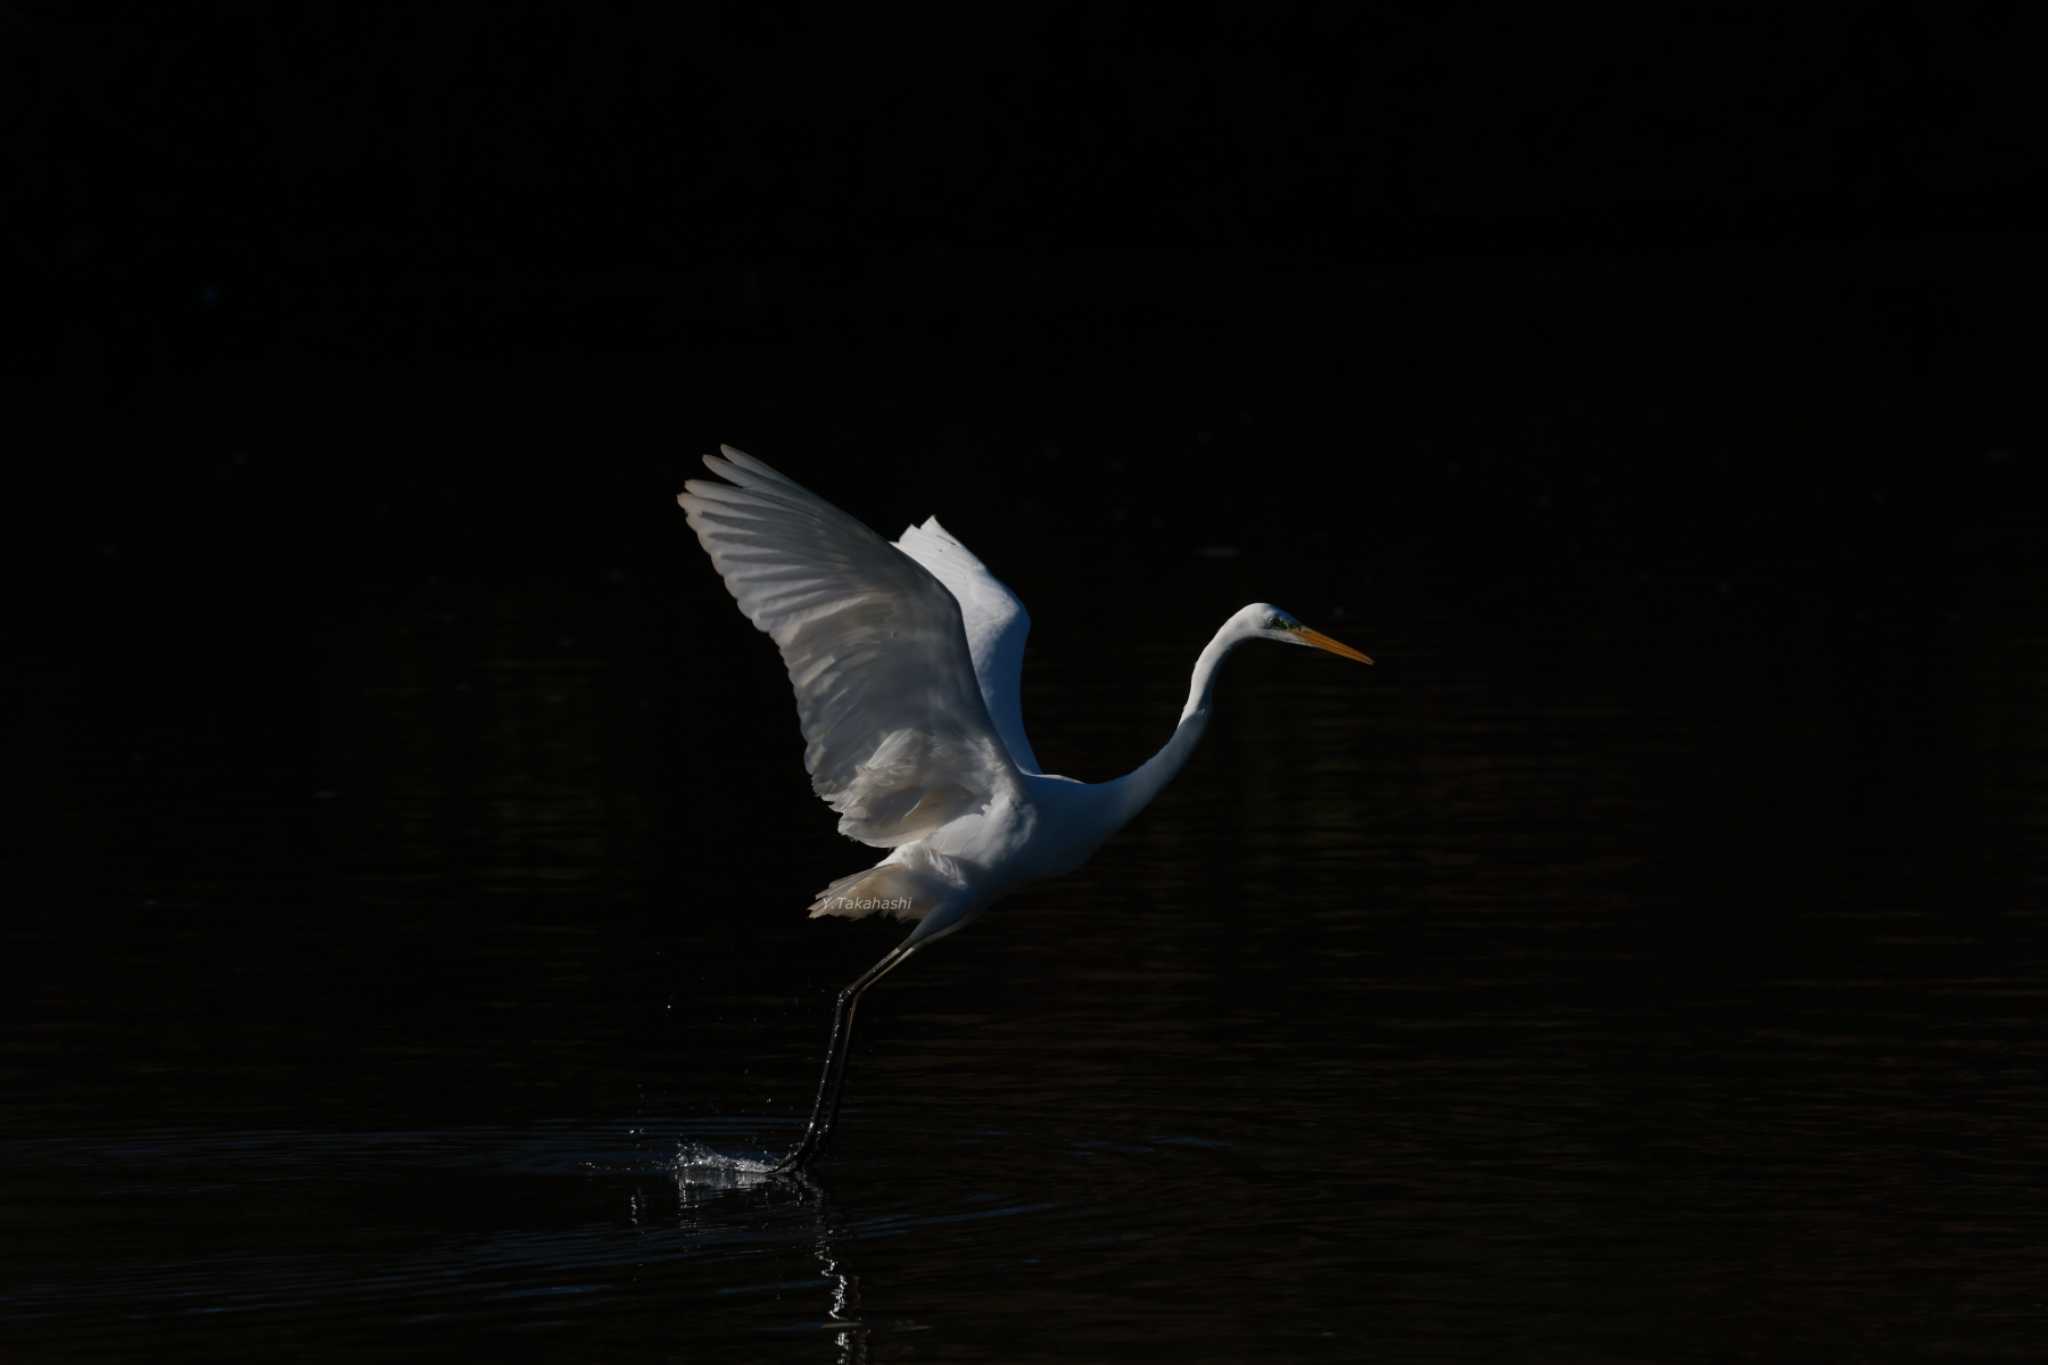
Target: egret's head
{"type": "Point", "coordinates": [1268, 622]}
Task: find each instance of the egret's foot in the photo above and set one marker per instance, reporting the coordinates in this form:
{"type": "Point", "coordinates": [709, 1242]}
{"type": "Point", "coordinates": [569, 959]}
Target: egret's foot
{"type": "Point", "coordinates": [796, 1165]}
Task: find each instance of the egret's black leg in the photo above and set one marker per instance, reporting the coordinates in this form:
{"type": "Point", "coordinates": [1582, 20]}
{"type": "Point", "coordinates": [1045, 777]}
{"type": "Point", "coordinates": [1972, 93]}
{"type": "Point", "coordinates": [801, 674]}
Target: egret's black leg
{"type": "Point", "coordinates": [826, 1110]}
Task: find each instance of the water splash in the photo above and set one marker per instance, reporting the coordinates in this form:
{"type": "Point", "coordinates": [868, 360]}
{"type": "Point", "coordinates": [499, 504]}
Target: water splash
{"type": "Point", "coordinates": [698, 1167]}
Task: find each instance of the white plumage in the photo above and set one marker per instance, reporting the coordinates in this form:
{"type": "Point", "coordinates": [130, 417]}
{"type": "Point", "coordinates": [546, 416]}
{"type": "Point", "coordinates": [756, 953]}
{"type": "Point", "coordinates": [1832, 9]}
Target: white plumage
{"type": "Point", "coordinates": [996, 625]}
{"type": "Point", "coordinates": [898, 739]}
{"type": "Point", "coordinates": [906, 661]}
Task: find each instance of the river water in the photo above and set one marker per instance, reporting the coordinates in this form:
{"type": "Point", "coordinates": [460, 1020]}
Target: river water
{"type": "Point", "coordinates": [1629, 967]}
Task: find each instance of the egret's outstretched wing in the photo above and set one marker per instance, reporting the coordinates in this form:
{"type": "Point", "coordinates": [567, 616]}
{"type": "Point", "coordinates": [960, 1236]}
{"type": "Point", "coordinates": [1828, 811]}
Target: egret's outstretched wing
{"type": "Point", "coordinates": [897, 738]}
{"type": "Point", "coordinates": [996, 624]}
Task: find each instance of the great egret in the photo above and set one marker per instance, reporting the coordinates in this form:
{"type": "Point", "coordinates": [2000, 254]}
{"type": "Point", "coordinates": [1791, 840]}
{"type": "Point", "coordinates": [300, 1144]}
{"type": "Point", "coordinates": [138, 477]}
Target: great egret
{"type": "Point", "coordinates": [905, 659]}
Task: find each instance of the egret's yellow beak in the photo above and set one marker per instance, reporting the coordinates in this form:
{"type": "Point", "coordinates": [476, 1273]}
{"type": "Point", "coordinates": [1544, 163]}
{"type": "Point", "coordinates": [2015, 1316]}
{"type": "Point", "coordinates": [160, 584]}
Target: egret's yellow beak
{"type": "Point", "coordinates": [1322, 641]}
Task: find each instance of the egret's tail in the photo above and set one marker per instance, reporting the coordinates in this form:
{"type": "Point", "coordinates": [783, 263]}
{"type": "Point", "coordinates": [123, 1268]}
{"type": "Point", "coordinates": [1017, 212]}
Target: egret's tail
{"type": "Point", "coordinates": [890, 889]}
{"type": "Point", "coordinates": [909, 884]}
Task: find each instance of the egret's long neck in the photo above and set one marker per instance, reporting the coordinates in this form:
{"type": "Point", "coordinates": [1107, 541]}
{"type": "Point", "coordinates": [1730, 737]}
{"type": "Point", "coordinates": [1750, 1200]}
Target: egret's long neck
{"type": "Point", "coordinates": [1134, 791]}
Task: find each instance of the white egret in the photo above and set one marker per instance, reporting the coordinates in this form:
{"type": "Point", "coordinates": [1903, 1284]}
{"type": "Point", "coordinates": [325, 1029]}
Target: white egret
{"type": "Point", "coordinates": [905, 659]}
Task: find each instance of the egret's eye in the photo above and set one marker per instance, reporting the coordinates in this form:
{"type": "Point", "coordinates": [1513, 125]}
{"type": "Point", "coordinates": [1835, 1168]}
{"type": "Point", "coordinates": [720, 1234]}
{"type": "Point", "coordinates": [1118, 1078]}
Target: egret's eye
{"type": "Point", "coordinates": [1280, 623]}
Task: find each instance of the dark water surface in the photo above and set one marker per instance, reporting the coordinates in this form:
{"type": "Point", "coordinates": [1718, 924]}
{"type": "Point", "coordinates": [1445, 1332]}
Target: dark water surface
{"type": "Point", "coordinates": [1627, 968]}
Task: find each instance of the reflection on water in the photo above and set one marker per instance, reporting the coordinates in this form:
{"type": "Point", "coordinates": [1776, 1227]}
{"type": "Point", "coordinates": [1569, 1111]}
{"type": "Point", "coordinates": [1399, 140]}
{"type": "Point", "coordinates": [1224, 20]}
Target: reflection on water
{"type": "Point", "coordinates": [1624, 1003]}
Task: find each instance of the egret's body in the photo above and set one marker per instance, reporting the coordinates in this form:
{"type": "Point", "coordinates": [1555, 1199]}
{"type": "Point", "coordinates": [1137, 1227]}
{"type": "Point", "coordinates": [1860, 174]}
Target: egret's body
{"type": "Point", "coordinates": [906, 661]}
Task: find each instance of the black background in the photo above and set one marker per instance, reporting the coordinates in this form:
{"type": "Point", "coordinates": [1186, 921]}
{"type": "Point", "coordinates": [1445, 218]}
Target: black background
{"type": "Point", "coordinates": [328, 297]}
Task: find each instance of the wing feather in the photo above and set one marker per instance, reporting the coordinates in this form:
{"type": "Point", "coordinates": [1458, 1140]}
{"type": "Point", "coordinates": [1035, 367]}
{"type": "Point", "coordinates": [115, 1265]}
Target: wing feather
{"type": "Point", "coordinates": [897, 738]}
{"type": "Point", "coordinates": [996, 623]}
